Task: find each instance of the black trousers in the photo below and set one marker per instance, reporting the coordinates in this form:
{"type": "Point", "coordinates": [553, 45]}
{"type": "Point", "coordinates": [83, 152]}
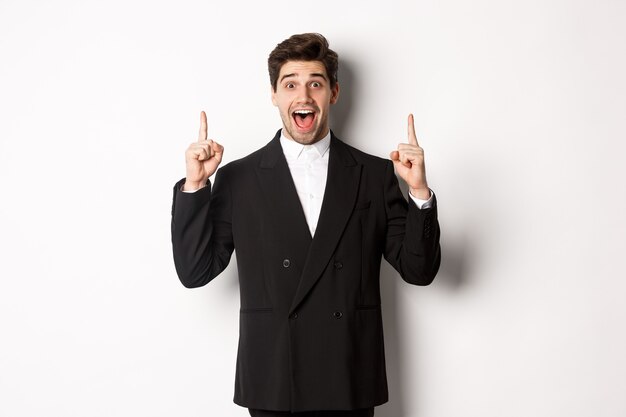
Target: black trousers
{"type": "Point", "coordinates": [361, 412]}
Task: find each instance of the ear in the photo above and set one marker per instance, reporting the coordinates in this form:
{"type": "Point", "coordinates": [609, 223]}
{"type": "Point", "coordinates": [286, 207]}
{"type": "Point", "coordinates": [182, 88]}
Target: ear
{"type": "Point", "coordinates": [274, 102]}
{"type": "Point", "coordinates": [334, 94]}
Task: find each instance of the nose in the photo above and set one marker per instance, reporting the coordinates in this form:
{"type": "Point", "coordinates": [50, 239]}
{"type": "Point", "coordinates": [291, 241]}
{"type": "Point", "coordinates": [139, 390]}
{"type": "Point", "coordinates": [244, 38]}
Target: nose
{"type": "Point", "coordinates": [304, 95]}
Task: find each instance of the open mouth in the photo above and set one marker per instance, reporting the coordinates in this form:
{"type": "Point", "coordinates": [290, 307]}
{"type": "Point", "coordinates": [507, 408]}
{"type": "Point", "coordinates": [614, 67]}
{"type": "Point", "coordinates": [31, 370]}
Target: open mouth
{"type": "Point", "coordinates": [304, 119]}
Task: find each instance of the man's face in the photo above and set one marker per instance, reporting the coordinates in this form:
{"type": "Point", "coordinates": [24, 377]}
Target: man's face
{"type": "Point", "coordinates": [303, 97]}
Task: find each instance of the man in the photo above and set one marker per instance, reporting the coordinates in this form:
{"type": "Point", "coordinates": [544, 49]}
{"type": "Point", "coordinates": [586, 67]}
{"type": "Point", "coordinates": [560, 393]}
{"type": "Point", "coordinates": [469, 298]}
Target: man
{"type": "Point", "coordinates": [310, 218]}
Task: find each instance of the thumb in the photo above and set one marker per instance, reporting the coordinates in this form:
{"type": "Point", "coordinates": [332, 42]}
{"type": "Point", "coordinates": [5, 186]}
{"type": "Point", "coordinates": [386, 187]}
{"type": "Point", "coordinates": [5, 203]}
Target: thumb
{"type": "Point", "coordinates": [397, 162]}
{"type": "Point", "coordinates": [218, 151]}
{"type": "Point", "coordinates": [395, 158]}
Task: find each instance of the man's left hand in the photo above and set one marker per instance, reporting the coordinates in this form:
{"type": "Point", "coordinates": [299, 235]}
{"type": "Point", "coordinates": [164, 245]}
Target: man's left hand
{"type": "Point", "coordinates": [409, 163]}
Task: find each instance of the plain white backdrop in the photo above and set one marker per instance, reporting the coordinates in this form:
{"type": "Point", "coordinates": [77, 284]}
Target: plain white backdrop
{"type": "Point", "coordinates": [520, 107]}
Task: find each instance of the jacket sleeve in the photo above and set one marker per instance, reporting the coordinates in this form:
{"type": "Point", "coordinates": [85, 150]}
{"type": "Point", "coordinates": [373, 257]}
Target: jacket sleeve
{"type": "Point", "coordinates": [412, 241]}
{"type": "Point", "coordinates": [202, 239]}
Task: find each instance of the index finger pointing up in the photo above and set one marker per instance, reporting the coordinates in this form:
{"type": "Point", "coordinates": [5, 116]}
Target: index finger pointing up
{"type": "Point", "coordinates": [202, 136]}
{"type": "Point", "coordinates": [411, 128]}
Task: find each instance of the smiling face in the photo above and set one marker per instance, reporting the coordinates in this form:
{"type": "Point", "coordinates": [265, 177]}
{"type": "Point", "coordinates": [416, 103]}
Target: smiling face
{"type": "Point", "coordinates": [303, 96]}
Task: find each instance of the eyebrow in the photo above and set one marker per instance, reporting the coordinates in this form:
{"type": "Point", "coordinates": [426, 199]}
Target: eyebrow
{"type": "Point", "coordinates": [315, 74]}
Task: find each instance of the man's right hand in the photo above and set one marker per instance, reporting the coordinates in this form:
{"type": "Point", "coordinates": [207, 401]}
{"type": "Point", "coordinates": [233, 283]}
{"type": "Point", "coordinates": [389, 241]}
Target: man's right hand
{"type": "Point", "coordinates": [202, 158]}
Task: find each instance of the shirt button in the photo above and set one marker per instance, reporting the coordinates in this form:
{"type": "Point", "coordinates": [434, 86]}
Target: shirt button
{"type": "Point", "coordinates": [286, 263]}
{"type": "Point", "coordinates": [338, 265]}
{"type": "Point", "coordinates": [293, 316]}
{"type": "Point", "coordinates": [337, 314]}
{"type": "Point", "coordinates": [311, 196]}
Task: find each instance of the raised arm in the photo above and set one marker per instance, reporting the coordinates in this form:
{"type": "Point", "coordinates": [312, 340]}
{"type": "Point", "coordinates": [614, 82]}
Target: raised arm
{"type": "Point", "coordinates": [202, 240]}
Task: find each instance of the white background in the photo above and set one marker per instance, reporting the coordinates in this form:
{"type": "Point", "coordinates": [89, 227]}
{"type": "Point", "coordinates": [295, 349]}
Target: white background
{"type": "Point", "coordinates": [520, 107]}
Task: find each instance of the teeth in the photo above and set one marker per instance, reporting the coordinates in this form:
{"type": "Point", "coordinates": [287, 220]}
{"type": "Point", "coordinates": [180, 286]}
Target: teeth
{"type": "Point", "coordinates": [303, 111]}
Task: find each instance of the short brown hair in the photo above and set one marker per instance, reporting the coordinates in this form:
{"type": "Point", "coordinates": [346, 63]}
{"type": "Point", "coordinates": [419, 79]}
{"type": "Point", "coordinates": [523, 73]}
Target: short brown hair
{"type": "Point", "coordinates": [303, 47]}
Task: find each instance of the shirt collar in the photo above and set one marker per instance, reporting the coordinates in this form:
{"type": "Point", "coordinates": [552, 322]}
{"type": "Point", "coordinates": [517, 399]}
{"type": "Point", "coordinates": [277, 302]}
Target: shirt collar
{"type": "Point", "coordinates": [293, 149]}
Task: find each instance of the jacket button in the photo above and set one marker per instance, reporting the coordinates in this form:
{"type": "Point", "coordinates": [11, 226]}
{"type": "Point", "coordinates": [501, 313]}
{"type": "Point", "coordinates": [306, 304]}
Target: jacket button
{"type": "Point", "coordinates": [337, 314]}
{"type": "Point", "coordinates": [286, 263]}
{"type": "Point", "coordinates": [338, 265]}
{"type": "Point", "coordinates": [293, 316]}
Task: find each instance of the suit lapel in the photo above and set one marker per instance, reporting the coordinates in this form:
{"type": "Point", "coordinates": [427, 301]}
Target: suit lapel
{"type": "Point", "coordinates": [342, 185]}
{"type": "Point", "coordinates": [281, 196]}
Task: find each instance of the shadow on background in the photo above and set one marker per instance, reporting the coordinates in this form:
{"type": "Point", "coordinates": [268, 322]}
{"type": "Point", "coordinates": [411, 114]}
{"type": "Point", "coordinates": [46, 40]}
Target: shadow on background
{"type": "Point", "coordinates": [340, 111]}
{"type": "Point", "coordinates": [453, 272]}
{"type": "Point", "coordinates": [455, 253]}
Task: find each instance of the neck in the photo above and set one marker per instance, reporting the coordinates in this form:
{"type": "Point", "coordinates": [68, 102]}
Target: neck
{"type": "Point", "coordinates": [285, 133]}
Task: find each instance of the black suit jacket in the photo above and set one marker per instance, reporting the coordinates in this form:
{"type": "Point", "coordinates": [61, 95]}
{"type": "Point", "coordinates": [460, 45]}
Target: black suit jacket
{"type": "Point", "coordinates": [311, 335]}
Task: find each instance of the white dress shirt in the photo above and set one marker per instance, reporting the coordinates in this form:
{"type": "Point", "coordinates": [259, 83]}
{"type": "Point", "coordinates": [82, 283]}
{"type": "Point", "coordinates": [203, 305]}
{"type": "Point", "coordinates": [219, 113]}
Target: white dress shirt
{"type": "Point", "coordinates": [308, 165]}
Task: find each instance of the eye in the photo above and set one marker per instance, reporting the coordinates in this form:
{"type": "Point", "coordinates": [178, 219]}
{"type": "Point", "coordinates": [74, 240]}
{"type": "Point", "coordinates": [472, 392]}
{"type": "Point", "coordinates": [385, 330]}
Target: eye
{"type": "Point", "coordinates": [316, 84]}
{"type": "Point", "coordinates": [289, 85]}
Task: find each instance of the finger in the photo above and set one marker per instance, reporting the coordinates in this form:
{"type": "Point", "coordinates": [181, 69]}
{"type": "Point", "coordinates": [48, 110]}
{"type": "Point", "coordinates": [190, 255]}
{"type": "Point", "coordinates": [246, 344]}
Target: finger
{"type": "Point", "coordinates": [409, 147]}
{"type": "Point", "coordinates": [201, 145]}
{"type": "Point", "coordinates": [201, 154]}
{"type": "Point", "coordinates": [408, 159]}
{"type": "Point", "coordinates": [217, 148]}
{"type": "Point", "coordinates": [414, 153]}
{"type": "Point", "coordinates": [411, 128]}
{"type": "Point", "coordinates": [201, 150]}
{"type": "Point", "coordinates": [202, 136]}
